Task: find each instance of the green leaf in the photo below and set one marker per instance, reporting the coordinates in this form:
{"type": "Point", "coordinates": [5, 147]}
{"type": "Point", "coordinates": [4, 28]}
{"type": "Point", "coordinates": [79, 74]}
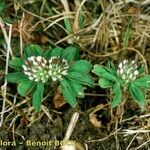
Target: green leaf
{"type": "Point", "coordinates": [81, 20]}
{"type": "Point", "coordinates": [143, 82]}
{"type": "Point", "coordinates": [68, 93]}
{"type": "Point", "coordinates": [112, 72]}
{"type": "Point", "coordinates": [47, 54]}
{"type": "Point", "coordinates": [141, 69]}
{"type": "Point", "coordinates": [15, 77]}
{"type": "Point", "coordinates": [24, 87]}
{"type": "Point", "coordinates": [104, 83]}
{"type": "Point", "coordinates": [111, 68]}
{"type": "Point", "coordinates": [80, 78]}
{"type": "Point", "coordinates": [137, 94]}
{"type": "Point", "coordinates": [127, 34]}
{"type": "Point", "coordinates": [57, 52]}
{"type": "Point", "coordinates": [70, 53]}
{"type": "Point", "coordinates": [2, 7]}
{"type": "Point", "coordinates": [118, 94]}
{"type": "Point", "coordinates": [78, 89]}
{"type": "Point", "coordinates": [101, 71]}
{"type": "Point", "coordinates": [68, 25]}
{"type": "Point", "coordinates": [37, 96]}
{"type": "Point", "coordinates": [16, 63]}
{"type": "Point", "coordinates": [33, 50]}
{"type": "Point", "coordinates": [54, 52]}
{"type": "Point", "coordinates": [143, 79]}
{"type": "Point", "coordinates": [82, 66]}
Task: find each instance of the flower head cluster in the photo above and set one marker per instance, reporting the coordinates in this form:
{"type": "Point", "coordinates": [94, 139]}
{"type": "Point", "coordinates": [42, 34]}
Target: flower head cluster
{"type": "Point", "coordinates": [57, 68]}
{"type": "Point", "coordinates": [38, 69]}
{"type": "Point", "coordinates": [128, 70]}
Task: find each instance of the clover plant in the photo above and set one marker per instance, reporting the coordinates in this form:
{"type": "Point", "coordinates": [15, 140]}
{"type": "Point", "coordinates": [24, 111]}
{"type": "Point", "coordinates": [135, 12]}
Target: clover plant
{"type": "Point", "coordinates": [36, 69]}
{"type": "Point", "coordinates": [126, 77]}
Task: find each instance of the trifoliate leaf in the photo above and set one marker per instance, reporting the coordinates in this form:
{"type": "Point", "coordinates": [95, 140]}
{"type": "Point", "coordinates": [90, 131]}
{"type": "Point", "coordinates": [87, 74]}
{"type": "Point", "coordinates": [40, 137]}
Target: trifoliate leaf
{"type": "Point", "coordinates": [80, 78]}
{"type": "Point", "coordinates": [101, 71]}
{"type": "Point", "coordinates": [16, 63]}
{"type": "Point", "coordinates": [104, 83]}
{"type": "Point", "coordinates": [33, 50]}
{"type": "Point", "coordinates": [68, 93]}
{"type": "Point", "coordinates": [137, 94]}
{"type": "Point", "coordinates": [24, 87]}
{"type": "Point", "coordinates": [15, 77]}
{"type": "Point", "coordinates": [70, 54]}
{"type": "Point", "coordinates": [77, 88]}
{"type": "Point", "coordinates": [37, 96]}
{"type": "Point", "coordinates": [118, 94]}
{"type": "Point", "coordinates": [82, 66]}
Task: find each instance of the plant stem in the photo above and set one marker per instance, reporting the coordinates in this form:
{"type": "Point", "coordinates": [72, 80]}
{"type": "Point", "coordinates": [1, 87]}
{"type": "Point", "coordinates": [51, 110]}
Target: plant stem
{"type": "Point", "coordinates": [120, 109]}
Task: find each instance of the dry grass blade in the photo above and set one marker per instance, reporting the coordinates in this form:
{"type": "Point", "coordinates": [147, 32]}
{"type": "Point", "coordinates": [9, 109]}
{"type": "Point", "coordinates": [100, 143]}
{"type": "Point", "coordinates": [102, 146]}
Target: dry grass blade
{"type": "Point", "coordinates": [8, 42]}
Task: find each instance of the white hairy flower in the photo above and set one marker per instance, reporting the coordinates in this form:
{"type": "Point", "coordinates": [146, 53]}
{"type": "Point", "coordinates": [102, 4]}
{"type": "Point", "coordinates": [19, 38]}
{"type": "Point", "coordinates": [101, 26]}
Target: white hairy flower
{"type": "Point", "coordinates": [36, 68]}
{"type": "Point", "coordinates": [128, 70]}
{"type": "Point", "coordinates": [57, 68]}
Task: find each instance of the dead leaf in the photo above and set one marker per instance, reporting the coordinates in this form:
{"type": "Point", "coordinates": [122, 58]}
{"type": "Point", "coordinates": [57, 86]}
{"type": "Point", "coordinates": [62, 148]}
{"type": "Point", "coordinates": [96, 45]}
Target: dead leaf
{"type": "Point", "coordinates": [58, 99]}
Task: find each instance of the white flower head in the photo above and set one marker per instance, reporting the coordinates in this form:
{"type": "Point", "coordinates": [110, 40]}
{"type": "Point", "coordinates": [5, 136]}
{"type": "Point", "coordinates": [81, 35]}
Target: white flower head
{"type": "Point", "coordinates": [57, 68]}
{"type": "Point", "coordinates": [36, 69]}
{"type": "Point", "coordinates": [127, 70]}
